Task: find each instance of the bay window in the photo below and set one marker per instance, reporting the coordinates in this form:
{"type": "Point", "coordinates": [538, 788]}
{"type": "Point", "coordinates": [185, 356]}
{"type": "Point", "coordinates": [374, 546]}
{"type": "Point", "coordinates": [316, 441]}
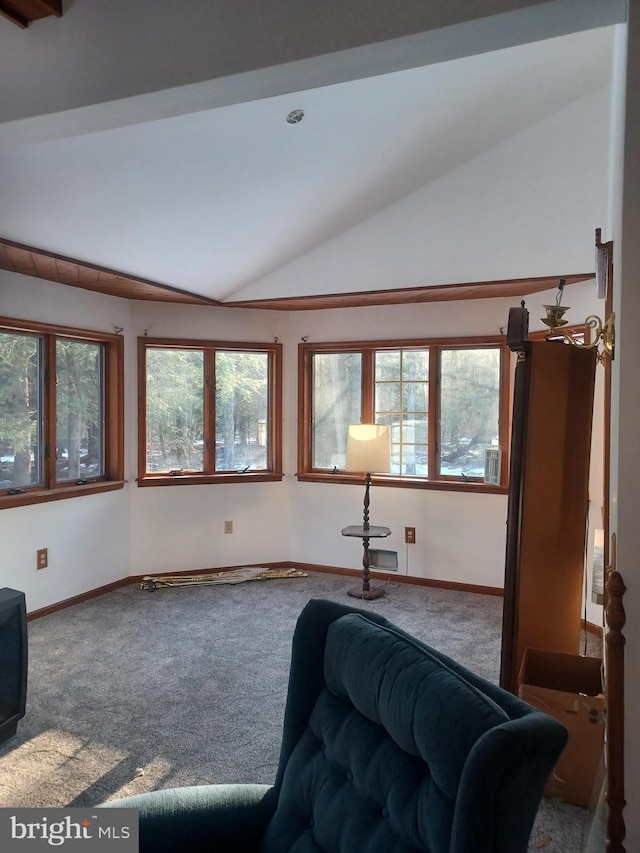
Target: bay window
{"type": "Point", "coordinates": [445, 402]}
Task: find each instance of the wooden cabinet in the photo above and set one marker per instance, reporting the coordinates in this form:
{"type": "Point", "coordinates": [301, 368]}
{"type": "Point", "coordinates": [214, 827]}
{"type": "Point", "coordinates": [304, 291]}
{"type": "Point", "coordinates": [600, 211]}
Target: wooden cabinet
{"type": "Point", "coordinates": [548, 499]}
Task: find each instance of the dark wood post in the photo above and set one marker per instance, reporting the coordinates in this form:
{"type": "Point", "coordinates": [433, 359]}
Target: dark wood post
{"type": "Point", "coordinates": [614, 698]}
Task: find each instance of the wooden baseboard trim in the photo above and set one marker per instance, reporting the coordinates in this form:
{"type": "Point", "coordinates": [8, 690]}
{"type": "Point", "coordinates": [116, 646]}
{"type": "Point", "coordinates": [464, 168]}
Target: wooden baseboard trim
{"type": "Point", "coordinates": [136, 579]}
{"type": "Point", "coordinates": [77, 599]}
{"type": "Point", "coordinates": [397, 578]}
{"type": "Point", "coordinates": [283, 564]}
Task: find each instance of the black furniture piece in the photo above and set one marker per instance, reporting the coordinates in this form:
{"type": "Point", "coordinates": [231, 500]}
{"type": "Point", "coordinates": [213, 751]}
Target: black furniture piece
{"type": "Point", "coordinates": [13, 661]}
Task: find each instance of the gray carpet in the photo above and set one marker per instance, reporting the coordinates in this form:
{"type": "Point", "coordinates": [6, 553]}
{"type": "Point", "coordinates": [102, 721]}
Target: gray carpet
{"type": "Point", "coordinates": [139, 690]}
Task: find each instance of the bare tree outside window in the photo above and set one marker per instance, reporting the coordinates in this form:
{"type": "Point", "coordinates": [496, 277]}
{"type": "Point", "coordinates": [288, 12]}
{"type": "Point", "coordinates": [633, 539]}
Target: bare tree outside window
{"type": "Point", "coordinates": [79, 410]}
{"type": "Point", "coordinates": [402, 402]}
{"type": "Point", "coordinates": [469, 409]}
{"type": "Point", "coordinates": [337, 401]}
{"type": "Point", "coordinates": [61, 412]}
{"type": "Point", "coordinates": [175, 409]}
{"type": "Point", "coordinates": [20, 404]}
{"type": "Point", "coordinates": [212, 412]}
{"type": "Point", "coordinates": [242, 406]}
{"type": "Point", "coordinates": [445, 402]}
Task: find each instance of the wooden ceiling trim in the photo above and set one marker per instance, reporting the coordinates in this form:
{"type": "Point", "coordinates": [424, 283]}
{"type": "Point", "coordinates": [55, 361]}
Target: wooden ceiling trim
{"type": "Point", "coordinates": [22, 12]}
{"type": "Point", "coordinates": [15, 257]}
{"type": "Point", "coordinates": [410, 295]}
{"type": "Point", "coordinates": [45, 267]}
{"type": "Point", "coordinates": [27, 260]}
{"type": "Point", "coordinates": [20, 261]}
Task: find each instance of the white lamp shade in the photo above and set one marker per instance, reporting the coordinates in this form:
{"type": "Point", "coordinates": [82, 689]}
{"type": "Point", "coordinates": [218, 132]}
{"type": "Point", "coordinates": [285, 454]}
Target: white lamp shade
{"type": "Point", "coordinates": [368, 448]}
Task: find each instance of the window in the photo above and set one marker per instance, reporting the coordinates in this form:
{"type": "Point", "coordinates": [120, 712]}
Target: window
{"type": "Point", "coordinates": [209, 412]}
{"type": "Point", "coordinates": [61, 412]}
{"type": "Point", "coordinates": [446, 403]}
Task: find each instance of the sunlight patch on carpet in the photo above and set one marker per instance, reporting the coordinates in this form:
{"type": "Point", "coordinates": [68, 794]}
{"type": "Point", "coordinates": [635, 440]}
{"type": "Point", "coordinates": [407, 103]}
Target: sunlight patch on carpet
{"type": "Point", "coordinates": [42, 762]}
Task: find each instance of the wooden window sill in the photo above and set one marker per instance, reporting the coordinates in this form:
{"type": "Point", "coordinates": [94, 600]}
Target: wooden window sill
{"type": "Point", "coordinates": [37, 496]}
{"type": "Point", "coordinates": [405, 483]}
{"type": "Point", "coordinates": [209, 479]}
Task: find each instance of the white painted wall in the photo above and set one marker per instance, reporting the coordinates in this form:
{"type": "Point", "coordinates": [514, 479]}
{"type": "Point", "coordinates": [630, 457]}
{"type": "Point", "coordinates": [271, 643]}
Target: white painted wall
{"type": "Point", "coordinates": [460, 537]}
{"type": "Point", "coordinates": [87, 537]}
{"type": "Point", "coordinates": [146, 530]}
{"type": "Point", "coordinates": [94, 540]}
{"type": "Point", "coordinates": [180, 528]}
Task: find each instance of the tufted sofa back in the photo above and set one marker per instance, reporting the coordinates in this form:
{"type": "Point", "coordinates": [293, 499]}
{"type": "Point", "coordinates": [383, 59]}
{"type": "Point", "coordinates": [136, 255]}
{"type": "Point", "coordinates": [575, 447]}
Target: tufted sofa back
{"type": "Point", "coordinates": [395, 751]}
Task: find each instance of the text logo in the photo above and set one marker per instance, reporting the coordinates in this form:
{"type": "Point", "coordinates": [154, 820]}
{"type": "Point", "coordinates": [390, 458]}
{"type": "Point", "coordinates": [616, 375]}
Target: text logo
{"type": "Point", "coordinates": [69, 829]}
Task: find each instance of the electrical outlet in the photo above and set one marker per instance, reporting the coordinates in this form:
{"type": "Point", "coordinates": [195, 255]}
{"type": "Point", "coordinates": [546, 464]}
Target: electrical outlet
{"type": "Point", "coordinates": [410, 535]}
{"type": "Point", "coordinates": [42, 558]}
{"type": "Point", "coordinates": [228, 527]}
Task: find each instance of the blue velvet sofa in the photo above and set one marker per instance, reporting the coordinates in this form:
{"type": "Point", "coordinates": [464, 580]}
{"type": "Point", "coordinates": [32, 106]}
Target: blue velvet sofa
{"type": "Point", "coordinates": [388, 747]}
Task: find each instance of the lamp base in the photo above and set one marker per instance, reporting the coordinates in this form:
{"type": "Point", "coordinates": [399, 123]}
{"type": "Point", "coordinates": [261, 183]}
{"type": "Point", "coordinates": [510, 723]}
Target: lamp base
{"type": "Point", "coordinates": [366, 594]}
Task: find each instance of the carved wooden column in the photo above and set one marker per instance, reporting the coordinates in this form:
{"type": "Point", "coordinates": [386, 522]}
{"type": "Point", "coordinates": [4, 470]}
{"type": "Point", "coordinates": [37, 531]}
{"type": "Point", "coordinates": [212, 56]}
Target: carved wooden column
{"type": "Point", "coordinates": [614, 697]}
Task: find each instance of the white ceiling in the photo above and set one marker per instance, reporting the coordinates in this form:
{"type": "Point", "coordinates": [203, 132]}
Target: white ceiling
{"type": "Point", "coordinates": [219, 202]}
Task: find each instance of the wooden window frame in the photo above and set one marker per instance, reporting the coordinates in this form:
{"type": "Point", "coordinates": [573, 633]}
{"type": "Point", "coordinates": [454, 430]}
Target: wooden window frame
{"type": "Point", "coordinates": [113, 477]}
{"type": "Point", "coordinates": [306, 472]}
{"type": "Point", "coordinates": [274, 470]}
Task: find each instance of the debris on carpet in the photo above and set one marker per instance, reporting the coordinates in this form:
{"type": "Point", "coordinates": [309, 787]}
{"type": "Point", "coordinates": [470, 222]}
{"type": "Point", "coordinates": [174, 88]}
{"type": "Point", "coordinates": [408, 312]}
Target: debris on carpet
{"type": "Point", "coordinates": [249, 573]}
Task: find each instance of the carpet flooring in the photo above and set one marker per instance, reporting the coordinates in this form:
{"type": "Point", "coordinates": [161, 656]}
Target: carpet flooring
{"type": "Point", "coordinates": [139, 690]}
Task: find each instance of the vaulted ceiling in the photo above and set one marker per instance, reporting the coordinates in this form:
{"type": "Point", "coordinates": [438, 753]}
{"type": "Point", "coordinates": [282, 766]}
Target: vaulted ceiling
{"type": "Point", "coordinates": [477, 170]}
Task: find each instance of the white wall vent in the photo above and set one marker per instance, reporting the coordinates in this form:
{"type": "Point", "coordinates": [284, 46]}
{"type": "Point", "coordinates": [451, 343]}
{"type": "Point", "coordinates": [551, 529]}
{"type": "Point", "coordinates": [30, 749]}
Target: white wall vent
{"type": "Point", "coordinates": [387, 560]}
{"type": "Point", "coordinates": [492, 465]}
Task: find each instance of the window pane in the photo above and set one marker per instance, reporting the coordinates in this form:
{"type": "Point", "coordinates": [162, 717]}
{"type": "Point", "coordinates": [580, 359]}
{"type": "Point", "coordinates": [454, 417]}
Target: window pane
{"type": "Point", "coordinates": [175, 411]}
{"type": "Point", "coordinates": [20, 408]}
{"type": "Point", "coordinates": [337, 402]}
{"type": "Point", "coordinates": [79, 410]}
{"type": "Point", "coordinates": [388, 396]}
{"type": "Point", "coordinates": [404, 405]}
{"type": "Point", "coordinates": [415, 364]}
{"type": "Point", "coordinates": [415, 396]}
{"type": "Point", "coordinates": [242, 411]}
{"type": "Point", "coordinates": [469, 409]}
{"type": "Point", "coordinates": [414, 430]}
{"type": "Point", "coordinates": [388, 366]}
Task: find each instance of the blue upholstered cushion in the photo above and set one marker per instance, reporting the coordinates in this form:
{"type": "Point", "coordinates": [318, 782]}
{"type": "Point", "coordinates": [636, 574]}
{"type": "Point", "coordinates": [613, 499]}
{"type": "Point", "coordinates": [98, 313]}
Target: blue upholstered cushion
{"type": "Point", "coordinates": [379, 766]}
{"type": "Point", "coordinates": [388, 747]}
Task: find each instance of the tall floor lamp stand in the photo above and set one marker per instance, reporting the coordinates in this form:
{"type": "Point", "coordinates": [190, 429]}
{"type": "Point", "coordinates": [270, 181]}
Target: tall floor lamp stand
{"type": "Point", "coordinates": [366, 532]}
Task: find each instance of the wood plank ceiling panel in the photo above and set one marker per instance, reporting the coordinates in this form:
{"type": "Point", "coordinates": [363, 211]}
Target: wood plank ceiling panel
{"type": "Point", "coordinates": [22, 12]}
{"type": "Point", "coordinates": [35, 262]}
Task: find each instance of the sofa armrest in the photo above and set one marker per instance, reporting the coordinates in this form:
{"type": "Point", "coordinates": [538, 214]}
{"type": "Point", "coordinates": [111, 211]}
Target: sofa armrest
{"type": "Point", "coordinates": [502, 784]}
{"type": "Point", "coordinates": [224, 818]}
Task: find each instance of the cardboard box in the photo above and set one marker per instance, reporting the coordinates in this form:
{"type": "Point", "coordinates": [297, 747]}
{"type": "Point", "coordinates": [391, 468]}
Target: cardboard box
{"type": "Point", "coordinates": [569, 688]}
